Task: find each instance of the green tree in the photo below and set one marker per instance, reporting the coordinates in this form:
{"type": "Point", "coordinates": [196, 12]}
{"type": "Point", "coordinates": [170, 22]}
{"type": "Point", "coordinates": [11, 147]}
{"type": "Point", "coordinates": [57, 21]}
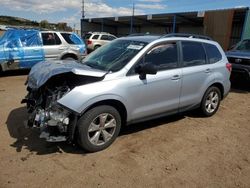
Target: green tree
{"type": "Point", "coordinates": [44, 24]}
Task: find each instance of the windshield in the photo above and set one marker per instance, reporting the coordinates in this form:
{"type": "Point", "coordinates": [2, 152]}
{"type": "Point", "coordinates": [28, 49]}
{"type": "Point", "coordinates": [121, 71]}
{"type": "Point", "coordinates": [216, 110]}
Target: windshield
{"type": "Point", "coordinates": [114, 55]}
{"type": "Point", "coordinates": [243, 45]}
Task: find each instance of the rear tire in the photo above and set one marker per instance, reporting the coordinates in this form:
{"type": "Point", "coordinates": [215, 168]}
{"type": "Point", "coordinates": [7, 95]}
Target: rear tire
{"type": "Point", "coordinates": [210, 101]}
{"type": "Point", "coordinates": [98, 128]}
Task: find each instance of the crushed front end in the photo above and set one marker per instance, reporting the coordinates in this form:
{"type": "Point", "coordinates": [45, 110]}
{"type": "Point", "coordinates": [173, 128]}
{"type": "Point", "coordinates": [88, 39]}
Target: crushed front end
{"type": "Point", "coordinates": [53, 120]}
{"type": "Point", "coordinates": [46, 84]}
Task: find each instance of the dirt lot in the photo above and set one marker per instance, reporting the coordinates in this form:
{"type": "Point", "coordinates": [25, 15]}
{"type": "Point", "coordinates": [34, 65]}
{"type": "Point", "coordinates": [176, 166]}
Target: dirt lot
{"type": "Point", "coordinates": [178, 151]}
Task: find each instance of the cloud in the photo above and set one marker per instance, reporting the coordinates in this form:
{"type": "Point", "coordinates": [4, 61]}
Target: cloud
{"type": "Point", "coordinates": [103, 10]}
{"type": "Point", "coordinates": [151, 6]}
{"type": "Point", "coordinates": [45, 6]}
{"type": "Point", "coordinates": [151, 1]}
{"type": "Point", "coordinates": [94, 8]}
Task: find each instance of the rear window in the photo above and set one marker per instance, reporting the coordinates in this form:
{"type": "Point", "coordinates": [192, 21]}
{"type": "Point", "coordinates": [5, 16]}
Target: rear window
{"type": "Point", "coordinates": [71, 38]}
{"type": "Point", "coordinates": [95, 37]}
{"type": "Point", "coordinates": [193, 54]}
{"type": "Point", "coordinates": [213, 53]}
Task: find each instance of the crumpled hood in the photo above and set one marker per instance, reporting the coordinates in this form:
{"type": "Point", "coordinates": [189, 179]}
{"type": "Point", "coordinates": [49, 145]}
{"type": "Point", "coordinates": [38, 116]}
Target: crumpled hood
{"type": "Point", "coordinates": [238, 54]}
{"type": "Point", "coordinates": [44, 70]}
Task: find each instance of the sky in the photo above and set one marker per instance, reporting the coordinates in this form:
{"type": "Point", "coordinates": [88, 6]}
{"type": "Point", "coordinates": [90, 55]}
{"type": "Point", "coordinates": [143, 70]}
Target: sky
{"type": "Point", "coordinates": [70, 10]}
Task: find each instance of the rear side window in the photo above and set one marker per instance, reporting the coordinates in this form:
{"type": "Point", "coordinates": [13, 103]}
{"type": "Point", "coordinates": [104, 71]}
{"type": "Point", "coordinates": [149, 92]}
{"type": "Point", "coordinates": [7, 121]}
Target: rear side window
{"type": "Point", "coordinates": [105, 37]}
{"type": "Point", "coordinates": [71, 38]}
{"type": "Point", "coordinates": [193, 54]}
{"type": "Point", "coordinates": [95, 37]}
{"type": "Point", "coordinates": [213, 53]}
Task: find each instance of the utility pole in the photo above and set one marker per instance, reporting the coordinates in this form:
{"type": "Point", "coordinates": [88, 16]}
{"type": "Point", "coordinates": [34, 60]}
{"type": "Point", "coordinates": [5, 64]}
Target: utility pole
{"type": "Point", "coordinates": [83, 16]}
{"type": "Point", "coordinates": [131, 20]}
{"type": "Point", "coordinates": [83, 11]}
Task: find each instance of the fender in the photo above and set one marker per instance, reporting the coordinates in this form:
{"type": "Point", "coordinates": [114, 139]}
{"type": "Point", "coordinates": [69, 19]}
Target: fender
{"type": "Point", "coordinates": [82, 97]}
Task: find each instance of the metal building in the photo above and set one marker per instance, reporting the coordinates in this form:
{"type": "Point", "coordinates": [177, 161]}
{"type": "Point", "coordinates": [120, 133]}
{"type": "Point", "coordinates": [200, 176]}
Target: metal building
{"type": "Point", "coordinates": [226, 26]}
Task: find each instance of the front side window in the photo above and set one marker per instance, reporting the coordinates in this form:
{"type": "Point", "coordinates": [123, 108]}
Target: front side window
{"type": "Point", "coordinates": [114, 55]}
{"type": "Point", "coordinates": [213, 53]}
{"type": "Point", "coordinates": [164, 56]}
{"type": "Point", "coordinates": [193, 54]}
{"type": "Point", "coordinates": [111, 37]}
{"type": "Point", "coordinates": [50, 39]}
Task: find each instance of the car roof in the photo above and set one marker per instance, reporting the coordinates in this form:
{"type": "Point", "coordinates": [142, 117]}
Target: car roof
{"type": "Point", "coordinates": [147, 39]}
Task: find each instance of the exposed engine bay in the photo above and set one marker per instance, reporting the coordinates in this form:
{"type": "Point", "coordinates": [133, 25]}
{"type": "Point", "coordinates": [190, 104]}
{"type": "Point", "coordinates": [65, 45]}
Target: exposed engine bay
{"type": "Point", "coordinates": [56, 123]}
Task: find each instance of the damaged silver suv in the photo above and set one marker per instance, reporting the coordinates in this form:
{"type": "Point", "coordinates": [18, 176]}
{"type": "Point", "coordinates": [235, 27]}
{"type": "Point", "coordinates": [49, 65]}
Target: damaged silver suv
{"type": "Point", "coordinates": [129, 80]}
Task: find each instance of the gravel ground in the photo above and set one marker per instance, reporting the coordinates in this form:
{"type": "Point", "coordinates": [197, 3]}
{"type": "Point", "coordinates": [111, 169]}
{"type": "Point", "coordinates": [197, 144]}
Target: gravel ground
{"type": "Point", "coordinates": [178, 151]}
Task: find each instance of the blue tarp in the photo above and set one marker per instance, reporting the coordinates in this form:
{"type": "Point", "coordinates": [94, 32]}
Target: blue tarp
{"type": "Point", "coordinates": [12, 52]}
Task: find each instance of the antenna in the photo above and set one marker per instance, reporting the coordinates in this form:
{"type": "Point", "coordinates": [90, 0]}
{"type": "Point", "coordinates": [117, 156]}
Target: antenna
{"type": "Point", "coordinates": [83, 12]}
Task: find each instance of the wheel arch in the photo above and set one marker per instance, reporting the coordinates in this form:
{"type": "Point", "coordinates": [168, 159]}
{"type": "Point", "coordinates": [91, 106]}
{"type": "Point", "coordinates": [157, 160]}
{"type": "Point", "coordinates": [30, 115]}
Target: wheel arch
{"type": "Point", "coordinates": [118, 105]}
{"type": "Point", "coordinates": [220, 87]}
{"type": "Point", "coordinates": [69, 55]}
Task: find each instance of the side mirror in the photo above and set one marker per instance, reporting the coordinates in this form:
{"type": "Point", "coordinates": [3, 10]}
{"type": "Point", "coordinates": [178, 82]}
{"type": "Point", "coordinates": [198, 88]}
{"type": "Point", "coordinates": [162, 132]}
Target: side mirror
{"type": "Point", "coordinates": [144, 69]}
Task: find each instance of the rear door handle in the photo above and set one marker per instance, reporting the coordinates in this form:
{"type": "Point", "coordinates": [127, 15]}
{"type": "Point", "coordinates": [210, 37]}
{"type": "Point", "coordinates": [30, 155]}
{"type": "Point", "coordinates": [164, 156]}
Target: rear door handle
{"type": "Point", "coordinates": [208, 71]}
{"type": "Point", "coordinates": [62, 48]}
{"type": "Point", "coordinates": [176, 77]}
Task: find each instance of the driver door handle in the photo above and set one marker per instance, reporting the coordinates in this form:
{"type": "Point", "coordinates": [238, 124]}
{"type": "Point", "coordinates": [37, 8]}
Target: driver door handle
{"type": "Point", "coordinates": [176, 77]}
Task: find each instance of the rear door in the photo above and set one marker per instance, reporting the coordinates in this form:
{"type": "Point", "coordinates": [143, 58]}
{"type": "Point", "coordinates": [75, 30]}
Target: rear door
{"type": "Point", "coordinates": [32, 50]}
{"type": "Point", "coordinates": [197, 74]}
{"type": "Point", "coordinates": [52, 45]}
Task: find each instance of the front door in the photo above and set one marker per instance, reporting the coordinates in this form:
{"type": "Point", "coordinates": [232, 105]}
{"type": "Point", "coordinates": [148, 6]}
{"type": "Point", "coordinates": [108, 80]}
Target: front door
{"type": "Point", "coordinates": [158, 93]}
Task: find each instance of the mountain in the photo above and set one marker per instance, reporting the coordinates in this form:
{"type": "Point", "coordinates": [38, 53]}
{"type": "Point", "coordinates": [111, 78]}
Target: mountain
{"type": "Point", "coordinates": [16, 21]}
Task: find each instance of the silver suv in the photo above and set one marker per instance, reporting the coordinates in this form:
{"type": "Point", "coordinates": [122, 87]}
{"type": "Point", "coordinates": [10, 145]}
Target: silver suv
{"type": "Point", "coordinates": [97, 39]}
{"type": "Point", "coordinates": [23, 48]}
{"type": "Point", "coordinates": [62, 45]}
{"type": "Point", "coordinates": [129, 80]}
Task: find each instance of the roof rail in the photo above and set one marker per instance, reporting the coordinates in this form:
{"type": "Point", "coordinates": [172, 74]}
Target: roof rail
{"type": "Point", "coordinates": [186, 35]}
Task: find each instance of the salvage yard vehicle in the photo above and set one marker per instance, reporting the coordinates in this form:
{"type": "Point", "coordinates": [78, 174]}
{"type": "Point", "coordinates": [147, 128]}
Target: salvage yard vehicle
{"type": "Point", "coordinates": [129, 80]}
{"type": "Point", "coordinates": [239, 57]}
{"type": "Point", "coordinates": [95, 40]}
{"type": "Point", "coordinates": [23, 48]}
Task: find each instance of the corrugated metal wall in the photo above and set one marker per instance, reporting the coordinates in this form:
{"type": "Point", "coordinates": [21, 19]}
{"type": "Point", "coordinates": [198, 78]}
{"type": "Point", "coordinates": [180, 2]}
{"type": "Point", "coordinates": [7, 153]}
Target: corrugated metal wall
{"type": "Point", "coordinates": [218, 25]}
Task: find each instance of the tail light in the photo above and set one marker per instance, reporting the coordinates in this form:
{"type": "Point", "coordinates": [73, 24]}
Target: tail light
{"type": "Point", "coordinates": [89, 42]}
{"type": "Point", "coordinates": [229, 67]}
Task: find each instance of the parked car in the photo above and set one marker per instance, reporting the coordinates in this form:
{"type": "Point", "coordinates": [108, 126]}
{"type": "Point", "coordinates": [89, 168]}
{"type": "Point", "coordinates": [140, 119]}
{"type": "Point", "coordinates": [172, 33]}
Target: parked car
{"type": "Point", "coordinates": [95, 40]}
{"type": "Point", "coordinates": [21, 49]}
{"type": "Point", "coordinates": [239, 57]}
{"type": "Point", "coordinates": [129, 80]}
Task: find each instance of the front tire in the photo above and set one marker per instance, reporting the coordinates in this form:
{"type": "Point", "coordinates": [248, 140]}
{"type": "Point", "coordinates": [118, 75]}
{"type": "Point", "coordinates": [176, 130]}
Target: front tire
{"type": "Point", "coordinates": [98, 128]}
{"type": "Point", "coordinates": [211, 101]}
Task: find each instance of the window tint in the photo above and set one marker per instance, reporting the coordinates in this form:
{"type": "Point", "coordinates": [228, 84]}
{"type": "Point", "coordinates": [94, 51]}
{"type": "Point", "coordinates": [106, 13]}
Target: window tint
{"type": "Point", "coordinates": [57, 39]}
{"type": "Point", "coordinates": [164, 56]}
{"type": "Point", "coordinates": [111, 37]}
{"type": "Point", "coordinates": [87, 36]}
{"type": "Point", "coordinates": [50, 39]}
{"type": "Point", "coordinates": [213, 53]}
{"type": "Point", "coordinates": [193, 54]}
{"type": "Point", "coordinates": [105, 37]}
{"type": "Point", "coordinates": [95, 37]}
{"type": "Point", "coordinates": [71, 38]}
